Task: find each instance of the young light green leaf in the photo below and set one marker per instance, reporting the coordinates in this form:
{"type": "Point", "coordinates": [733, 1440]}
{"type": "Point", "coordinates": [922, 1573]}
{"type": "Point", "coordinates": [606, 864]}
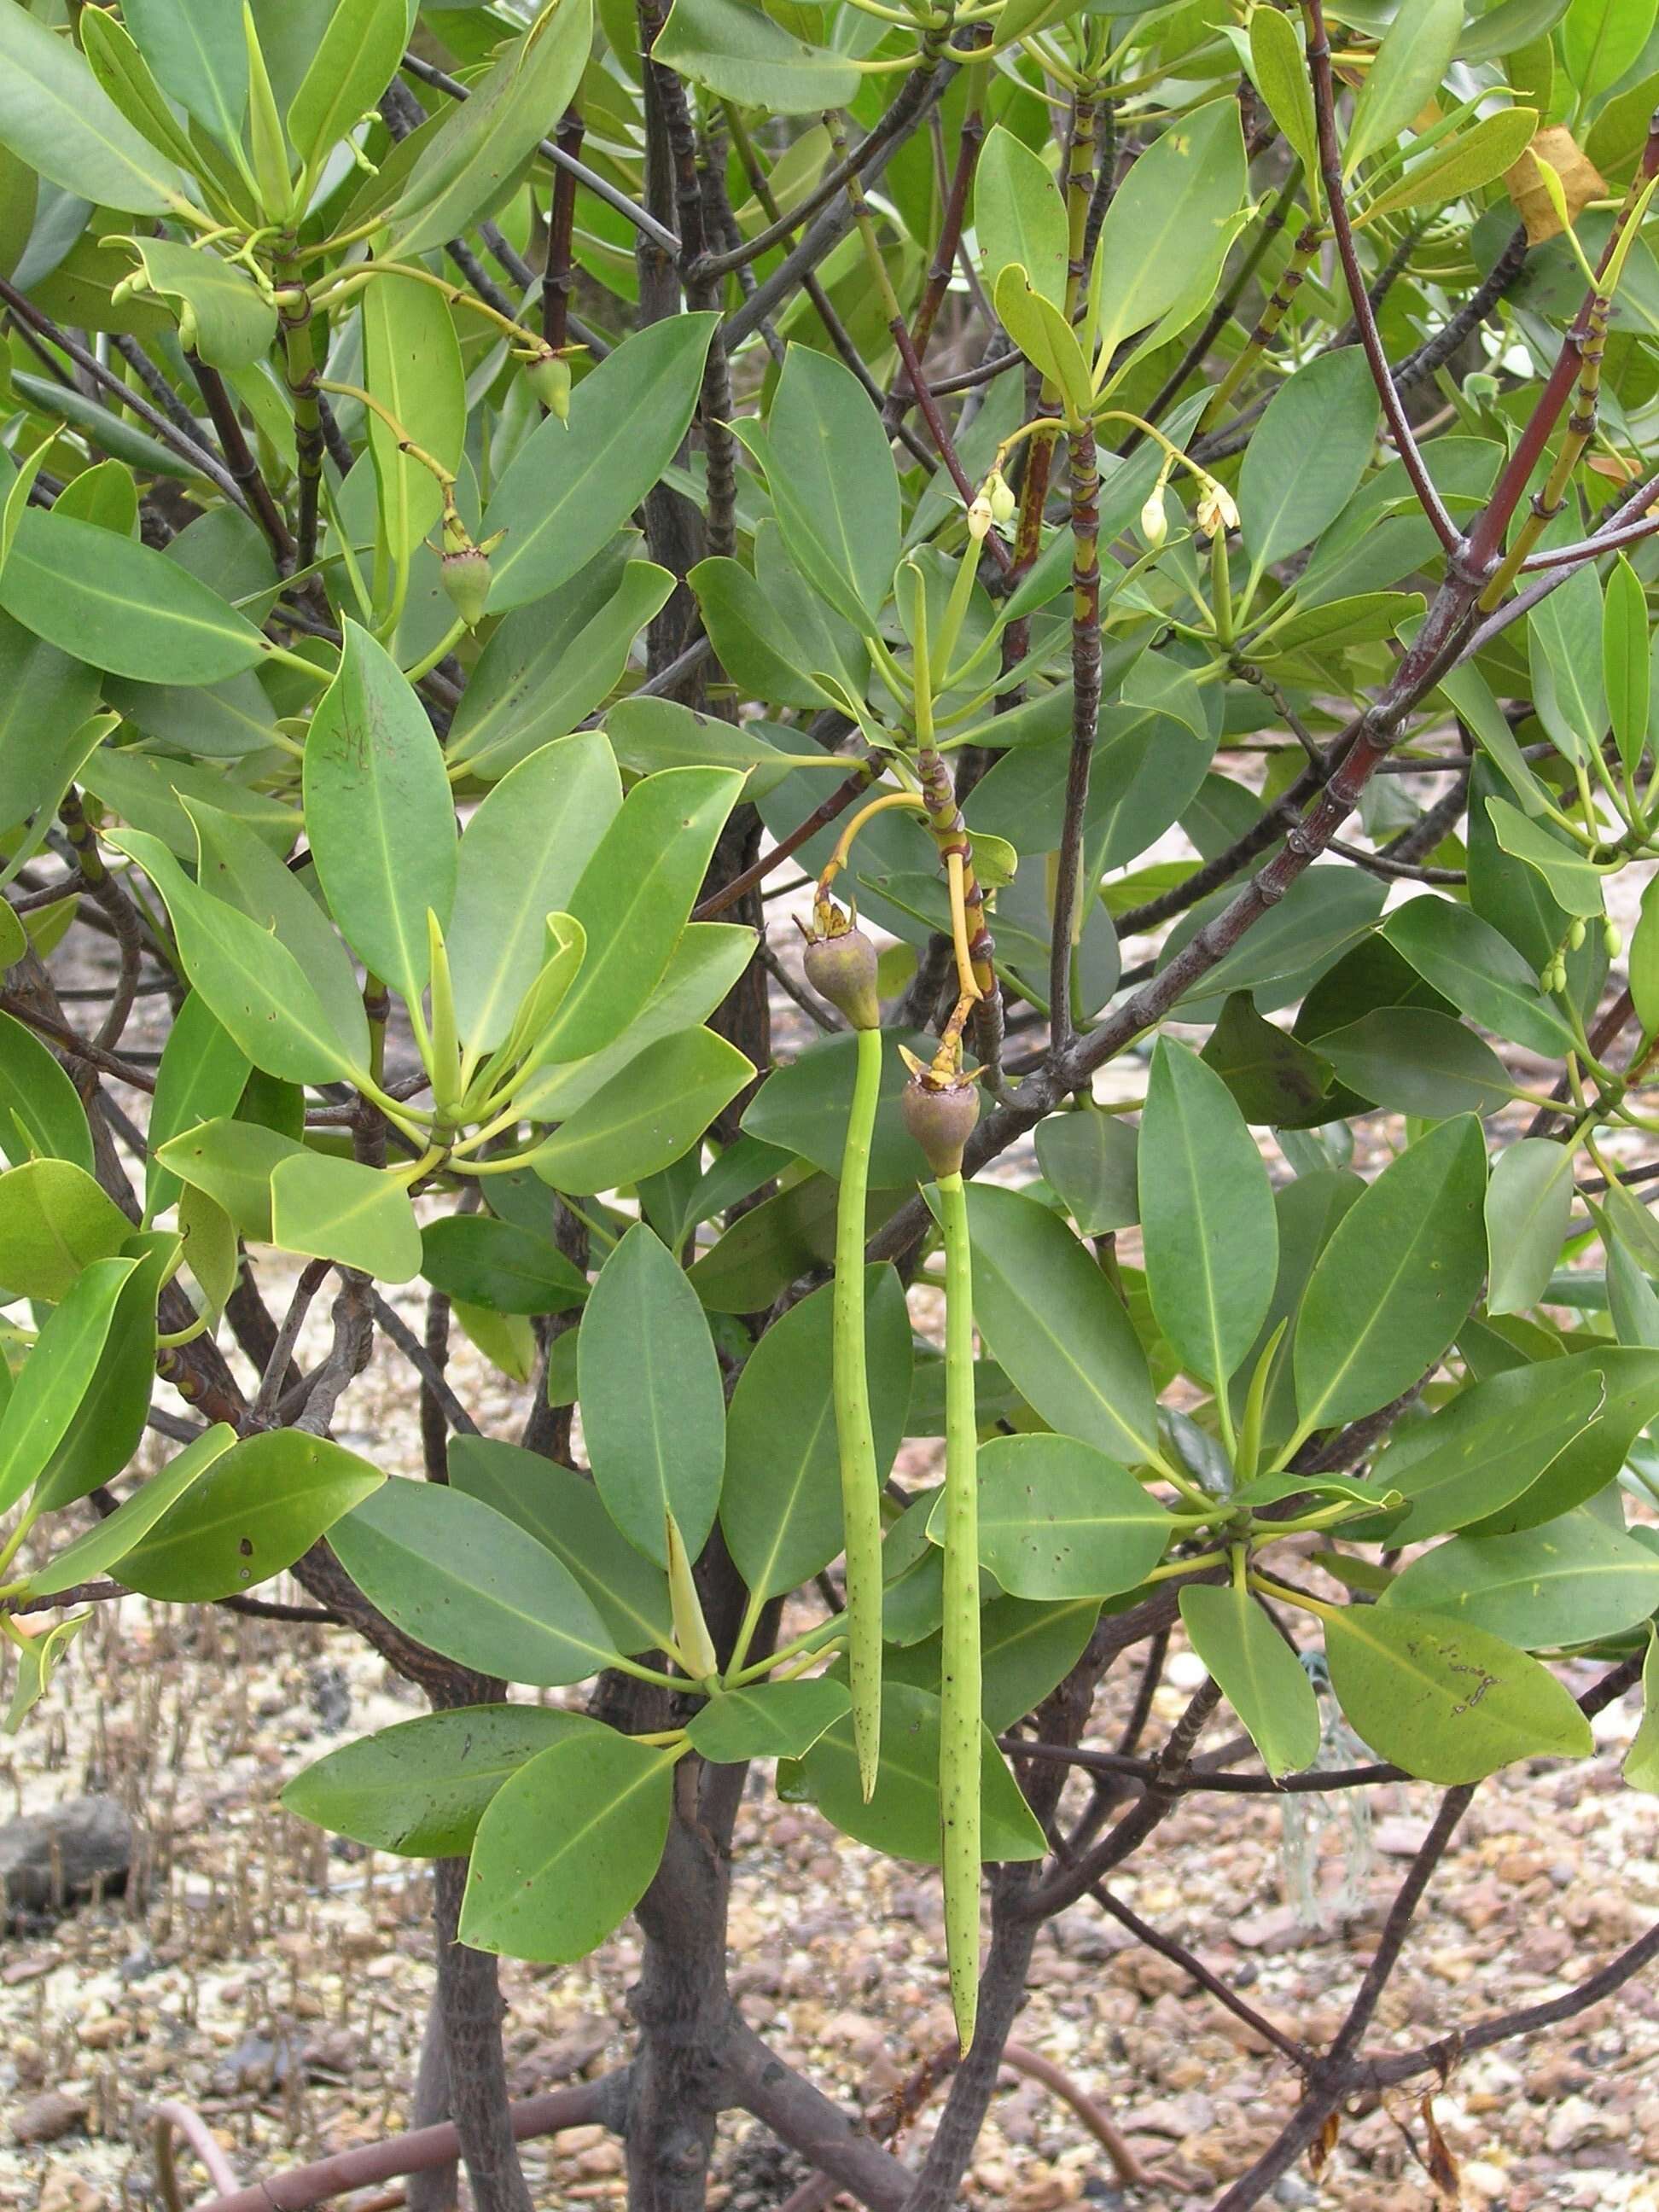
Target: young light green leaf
{"type": "Point", "coordinates": [352, 66]}
{"type": "Point", "coordinates": [648, 1116]}
{"type": "Point", "coordinates": [1261, 1677]}
{"type": "Point", "coordinates": [1304, 464]}
{"type": "Point", "coordinates": [248, 1515]}
{"type": "Point", "coordinates": [1625, 663]}
{"type": "Point", "coordinates": [232, 1162]}
{"type": "Point", "coordinates": [1019, 216]}
{"type": "Point", "coordinates": [1465, 163]}
{"type": "Point", "coordinates": [341, 1210]}
{"type": "Point", "coordinates": [741, 54]}
{"type": "Point", "coordinates": [57, 1373]}
{"type": "Point", "coordinates": [54, 1221]}
{"type": "Point", "coordinates": [103, 1547]}
{"type": "Point", "coordinates": [1404, 77]}
{"type": "Point", "coordinates": [1170, 224]}
{"type": "Point", "coordinates": [769, 1720]}
{"type": "Point", "coordinates": [1044, 336]}
{"type": "Point", "coordinates": [55, 116]}
{"type": "Point", "coordinates": [412, 365]}
{"type": "Point", "coordinates": [1280, 70]}
{"type": "Point", "coordinates": [40, 1109]}
{"type": "Point", "coordinates": [224, 315]}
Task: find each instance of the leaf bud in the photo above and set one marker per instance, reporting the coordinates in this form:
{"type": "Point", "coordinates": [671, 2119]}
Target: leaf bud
{"type": "Point", "coordinates": [840, 966]}
{"type": "Point", "coordinates": [941, 1119]}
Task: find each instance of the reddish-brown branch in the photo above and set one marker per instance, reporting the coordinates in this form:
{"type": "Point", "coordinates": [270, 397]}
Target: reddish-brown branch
{"type": "Point", "coordinates": [822, 815]}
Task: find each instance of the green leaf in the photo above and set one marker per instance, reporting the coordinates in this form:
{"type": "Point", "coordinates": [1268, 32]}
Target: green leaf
{"type": "Point", "coordinates": [1261, 1677]}
{"type": "Point", "coordinates": [1019, 217]}
{"type": "Point", "coordinates": [109, 1542]}
{"type": "Point", "coordinates": [233, 1162]}
{"type": "Point", "coordinates": [633, 899]}
{"type": "Point", "coordinates": [222, 314]}
{"type": "Point", "coordinates": [571, 486]}
{"type": "Point", "coordinates": [412, 365]}
{"type": "Point", "coordinates": [547, 666]}
{"type": "Point", "coordinates": [1304, 461]}
{"type": "Point", "coordinates": [1601, 38]}
{"type": "Point", "coordinates": [1488, 1446]}
{"type": "Point", "coordinates": [37, 1662]}
{"type": "Point", "coordinates": [1528, 1202]}
{"type": "Point", "coordinates": [1414, 1061]}
{"type": "Point", "coordinates": [109, 1422]}
{"type": "Point", "coordinates": [654, 1411]}
{"type": "Point", "coordinates": [1446, 1702]}
{"type": "Point", "coordinates": [1058, 1519]}
{"type": "Point", "coordinates": [1572, 880]}
{"type": "Point", "coordinates": [1405, 75]}
{"type": "Point", "coordinates": [40, 1109]}
{"type": "Point", "coordinates": [195, 49]}
{"type": "Point", "coordinates": [56, 1375]}
{"type": "Point", "coordinates": [741, 53]}
{"type": "Point", "coordinates": [471, 1585]}
{"type": "Point", "coordinates": [1462, 164]}
{"type": "Point", "coordinates": [1089, 1158]}
{"type": "Point", "coordinates": [770, 637]}
{"type": "Point", "coordinates": [379, 814]}
{"type": "Point", "coordinates": [1054, 1323]}
{"type": "Point", "coordinates": [56, 117]}
{"type": "Point", "coordinates": [1563, 651]}
{"type": "Point", "coordinates": [649, 734]}
{"type": "Point", "coordinates": [469, 163]}
{"type": "Point", "coordinates": [803, 1107]}
{"type": "Point", "coordinates": [1280, 70]}
{"type": "Point", "coordinates": [253, 983]}
{"type": "Point", "coordinates": [251, 1514]}
{"type": "Point", "coordinates": [769, 1720]}
{"type": "Point", "coordinates": [567, 1846]}
{"type": "Point", "coordinates": [830, 469]}
{"type": "Point", "coordinates": [341, 1210]}
{"type": "Point", "coordinates": [780, 1498]}
{"type": "Point", "coordinates": [1568, 1582]}
{"type": "Point", "coordinates": [1477, 968]}
{"type": "Point", "coordinates": [1169, 223]}
{"type": "Point", "coordinates": [1044, 336]}
{"type": "Point", "coordinates": [1642, 1759]}
{"type": "Point", "coordinates": [1206, 1213]}
{"type": "Point", "coordinates": [420, 1788]}
{"type": "Point", "coordinates": [121, 604]}
{"type": "Point", "coordinates": [520, 859]}
{"type": "Point", "coordinates": [1394, 1285]}
{"type": "Point", "coordinates": [356, 59]}
{"type": "Point", "coordinates": [487, 1262]}
{"type": "Point", "coordinates": [1644, 961]}
{"type": "Point", "coordinates": [1272, 1076]}
{"type": "Point", "coordinates": [1625, 665]}
{"type": "Point", "coordinates": [54, 1221]}
{"type": "Point", "coordinates": [902, 1818]}
{"type": "Point", "coordinates": [563, 1510]}
{"type": "Point", "coordinates": [648, 1116]}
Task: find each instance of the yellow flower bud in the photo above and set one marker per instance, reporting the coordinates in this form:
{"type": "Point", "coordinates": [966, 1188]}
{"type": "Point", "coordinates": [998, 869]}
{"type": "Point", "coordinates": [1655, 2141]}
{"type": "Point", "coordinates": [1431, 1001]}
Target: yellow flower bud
{"type": "Point", "coordinates": [1154, 522]}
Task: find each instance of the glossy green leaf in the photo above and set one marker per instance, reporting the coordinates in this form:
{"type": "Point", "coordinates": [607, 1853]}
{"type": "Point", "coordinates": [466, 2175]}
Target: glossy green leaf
{"type": "Point", "coordinates": [1169, 223]}
{"type": "Point", "coordinates": [830, 469]}
{"type": "Point", "coordinates": [768, 1720]}
{"type": "Point", "coordinates": [1414, 1061]}
{"type": "Point", "coordinates": [1488, 1446]}
{"type": "Point", "coordinates": [341, 1210]}
{"type": "Point", "coordinates": [54, 1221]}
{"type": "Point", "coordinates": [1208, 1229]}
{"type": "Point", "coordinates": [1564, 642]}
{"type": "Point", "coordinates": [902, 1817]}
{"type": "Point", "coordinates": [1261, 1677]}
{"type": "Point", "coordinates": [122, 604]}
{"type": "Point", "coordinates": [1272, 1076]}
{"type": "Point", "coordinates": [1044, 336]}
{"type": "Point", "coordinates": [1088, 1159]}
{"type": "Point", "coordinates": [567, 1846]}
{"type": "Point", "coordinates": [648, 734]}
{"type": "Point", "coordinates": [1304, 462]}
{"type": "Point", "coordinates": [110, 1420]}
{"type": "Point", "coordinates": [58, 1371]}
{"type": "Point", "coordinates": [741, 54]}
{"type": "Point", "coordinates": [1058, 1519]}
{"type": "Point", "coordinates": [420, 1788]}
{"type": "Point", "coordinates": [803, 1107]}
{"type": "Point", "coordinates": [352, 66]}
{"type": "Point", "coordinates": [1054, 1323]}
{"type": "Point", "coordinates": [233, 1162]}
{"type": "Point", "coordinates": [412, 365]}
{"type": "Point", "coordinates": [571, 486]}
{"type": "Point", "coordinates": [1019, 216]}
{"type": "Point", "coordinates": [654, 1411]}
{"type": "Point", "coordinates": [780, 1499]}
{"type": "Point", "coordinates": [1601, 38]}
{"type": "Point", "coordinates": [40, 1109]}
{"type": "Point", "coordinates": [632, 901]}
{"type": "Point", "coordinates": [251, 1514]}
{"type": "Point", "coordinates": [646, 1117]}
{"type": "Point", "coordinates": [468, 165]}
{"type": "Point", "coordinates": [1394, 1285]}
{"type": "Point", "coordinates": [1473, 965]}
{"type": "Point", "coordinates": [563, 1510]}
{"type": "Point", "coordinates": [37, 1662]}
{"type": "Point", "coordinates": [195, 49]}
{"type": "Point", "coordinates": [1528, 1202]}
{"type": "Point", "coordinates": [1626, 663]}
{"type": "Point", "coordinates": [1404, 77]}
{"type": "Point", "coordinates": [487, 1262]}
{"type": "Point", "coordinates": [470, 1585]}
{"type": "Point", "coordinates": [56, 117]}
{"type": "Point", "coordinates": [1448, 1702]}
{"type": "Point", "coordinates": [104, 1546]}
{"type": "Point", "coordinates": [1570, 878]}
{"type": "Point", "coordinates": [1280, 70]}
{"type": "Point", "coordinates": [379, 814]}
{"type": "Point", "coordinates": [1566, 1582]}
{"type": "Point", "coordinates": [1464, 163]}
{"type": "Point", "coordinates": [252, 982]}
{"type": "Point", "coordinates": [223, 314]}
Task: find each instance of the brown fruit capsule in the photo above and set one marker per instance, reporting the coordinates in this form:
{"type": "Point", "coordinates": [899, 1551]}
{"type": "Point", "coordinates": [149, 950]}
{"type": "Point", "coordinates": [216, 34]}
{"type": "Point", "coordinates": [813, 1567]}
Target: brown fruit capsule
{"type": "Point", "coordinates": [941, 1122]}
{"type": "Point", "coordinates": [842, 968]}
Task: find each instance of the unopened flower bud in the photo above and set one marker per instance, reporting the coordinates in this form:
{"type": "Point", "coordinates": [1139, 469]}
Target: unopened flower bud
{"type": "Point", "coordinates": [840, 966]}
{"type": "Point", "coordinates": [941, 1120]}
{"type": "Point", "coordinates": [1613, 938]}
{"type": "Point", "coordinates": [465, 574]}
{"type": "Point", "coordinates": [1004, 505]}
{"type": "Point", "coordinates": [1575, 934]}
{"type": "Point", "coordinates": [548, 375]}
{"type": "Point", "coordinates": [981, 516]}
{"type": "Point", "coordinates": [1154, 522]}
